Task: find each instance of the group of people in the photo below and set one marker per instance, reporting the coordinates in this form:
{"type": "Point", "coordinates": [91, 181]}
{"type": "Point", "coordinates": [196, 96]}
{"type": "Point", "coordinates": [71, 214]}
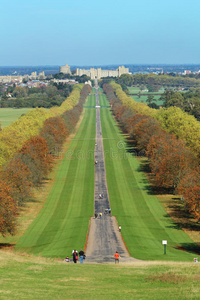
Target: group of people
{"type": "Point", "coordinates": [75, 255]}
{"type": "Point", "coordinates": [82, 256]}
{"type": "Point", "coordinates": [107, 211]}
{"type": "Point", "coordinates": [96, 215]}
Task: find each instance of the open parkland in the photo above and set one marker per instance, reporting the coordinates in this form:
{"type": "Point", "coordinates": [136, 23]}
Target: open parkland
{"type": "Point", "coordinates": [32, 265]}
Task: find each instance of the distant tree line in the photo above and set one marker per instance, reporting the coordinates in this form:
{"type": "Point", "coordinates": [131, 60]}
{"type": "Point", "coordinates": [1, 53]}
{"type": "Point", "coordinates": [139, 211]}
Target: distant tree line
{"type": "Point", "coordinates": [188, 101]}
{"type": "Point", "coordinates": [154, 82]}
{"type": "Point", "coordinates": [52, 95]}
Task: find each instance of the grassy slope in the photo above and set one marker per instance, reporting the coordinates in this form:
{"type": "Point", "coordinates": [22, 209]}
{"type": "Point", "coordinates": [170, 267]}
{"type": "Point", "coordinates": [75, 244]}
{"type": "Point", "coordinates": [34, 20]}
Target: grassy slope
{"type": "Point", "coordinates": [9, 115]}
{"type": "Point", "coordinates": [63, 222]}
{"type": "Point", "coordinates": [142, 217]}
{"type": "Point", "coordinates": [39, 278]}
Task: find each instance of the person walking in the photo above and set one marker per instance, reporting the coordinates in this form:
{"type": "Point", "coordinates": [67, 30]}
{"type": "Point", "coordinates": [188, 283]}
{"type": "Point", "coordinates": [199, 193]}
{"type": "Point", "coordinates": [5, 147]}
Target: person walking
{"type": "Point", "coordinates": [75, 256]}
{"type": "Point", "coordinates": [81, 255]}
{"type": "Point", "coordinates": [116, 255]}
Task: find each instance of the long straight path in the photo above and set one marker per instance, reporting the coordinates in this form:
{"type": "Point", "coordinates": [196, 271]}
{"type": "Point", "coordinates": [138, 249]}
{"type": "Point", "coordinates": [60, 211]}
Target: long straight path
{"type": "Point", "coordinates": [104, 238]}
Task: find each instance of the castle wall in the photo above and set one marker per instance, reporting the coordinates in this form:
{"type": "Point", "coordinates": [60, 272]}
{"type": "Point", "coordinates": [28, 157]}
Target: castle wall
{"type": "Point", "coordinates": [99, 73]}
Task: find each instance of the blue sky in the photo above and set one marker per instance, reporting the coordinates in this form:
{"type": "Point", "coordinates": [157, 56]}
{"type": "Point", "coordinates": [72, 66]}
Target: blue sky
{"type": "Point", "coordinates": [86, 32]}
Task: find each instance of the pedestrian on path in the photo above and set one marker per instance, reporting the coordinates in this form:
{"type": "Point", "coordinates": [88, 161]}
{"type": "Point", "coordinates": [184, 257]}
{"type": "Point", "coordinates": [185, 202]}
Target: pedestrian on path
{"type": "Point", "coordinates": [100, 215]}
{"type": "Point", "coordinates": [81, 255]}
{"type": "Point", "coordinates": [75, 256]}
{"type": "Point", "coordinates": [116, 255]}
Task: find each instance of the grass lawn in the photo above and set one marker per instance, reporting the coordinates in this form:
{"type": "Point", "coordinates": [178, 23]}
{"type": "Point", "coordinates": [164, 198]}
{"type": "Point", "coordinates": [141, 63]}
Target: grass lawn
{"type": "Point", "coordinates": [144, 95]}
{"type": "Point", "coordinates": [62, 224]}
{"type": "Point", "coordinates": [135, 89]}
{"type": "Point", "coordinates": [142, 217]}
{"type": "Point", "coordinates": [29, 277]}
{"type": "Point", "coordinates": [143, 99]}
{"type": "Point", "coordinates": [9, 115]}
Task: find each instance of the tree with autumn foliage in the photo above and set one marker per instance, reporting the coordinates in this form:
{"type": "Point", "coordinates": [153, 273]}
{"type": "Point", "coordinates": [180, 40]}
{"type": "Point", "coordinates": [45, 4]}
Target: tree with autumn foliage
{"type": "Point", "coordinates": [8, 210]}
{"type": "Point", "coordinates": [170, 159]}
{"type": "Point", "coordinates": [189, 188]}
{"type": "Point", "coordinates": [144, 130]}
{"type": "Point", "coordinates": [16, 175]}
{"type": "Point", "coordinates": [35, 155]}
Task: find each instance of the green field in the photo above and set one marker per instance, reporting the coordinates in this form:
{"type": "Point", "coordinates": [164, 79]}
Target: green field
{"type": "Point", "coordinates": [9, 115]}
{"type": "Point", "coordinates": [62, 224]}
{"type": "Point", "coordinates": [144, 95]}
{"type": "Point", "coordinates": [135, 89]}
{"type": "Point", "coordinates": [142, 217]}
{"type": "Point", "coordinates": [29, 277]}
{"type": "Point", "coordinates": [143, 99]}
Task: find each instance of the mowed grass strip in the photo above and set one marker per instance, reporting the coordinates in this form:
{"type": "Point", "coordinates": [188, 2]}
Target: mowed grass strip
{"type": "Point", "coordinates": [39, 278]}
{"type": "Point", "coordinates": [142, 217]}
{"type": "Point", "coordinates": [62, 224]}
{"type": "Point", "coordinates": [9, 115]}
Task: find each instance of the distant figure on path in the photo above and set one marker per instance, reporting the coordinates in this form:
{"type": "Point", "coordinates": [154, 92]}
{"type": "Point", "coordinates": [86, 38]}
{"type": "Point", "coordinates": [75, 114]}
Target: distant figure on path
{"type": "Point", "coordinates": [95, 215]}
{"type": "Point", "coordinates": [116, 255]}
{"type": "Point", "coordinates": [81, 255]}
{"type": "Point", "coordinates": [100, 215]}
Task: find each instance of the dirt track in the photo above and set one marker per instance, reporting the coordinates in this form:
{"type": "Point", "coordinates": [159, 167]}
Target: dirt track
{"type": "Point", "coordinates": [104, 237]}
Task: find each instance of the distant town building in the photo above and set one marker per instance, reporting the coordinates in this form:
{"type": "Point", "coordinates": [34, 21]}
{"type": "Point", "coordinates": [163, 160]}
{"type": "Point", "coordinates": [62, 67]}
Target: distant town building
{"type": "Point", "coordinates": [68, 81]}
{"type": "Point", "coordinates": [186, 72]}
{"type": "Point", "coordinates": [41, 75]}
{"type": "Point", "coordinates": [88, 82]}
{"type": "Point", "coordinates": [65, 69]}
{"type": "Point", "coordinates": [33, 75]}
{"type": "Point", "coordinates": [11, 78]}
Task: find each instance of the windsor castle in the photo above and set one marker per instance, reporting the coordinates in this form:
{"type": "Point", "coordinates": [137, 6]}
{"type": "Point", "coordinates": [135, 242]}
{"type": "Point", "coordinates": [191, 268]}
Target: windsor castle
{"type": "Point", "coordinates": [96, 73]}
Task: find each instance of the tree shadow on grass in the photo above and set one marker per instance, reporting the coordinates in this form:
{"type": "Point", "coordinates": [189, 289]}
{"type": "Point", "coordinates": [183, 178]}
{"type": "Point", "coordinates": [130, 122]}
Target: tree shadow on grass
{"type": "Point", "coordinates": [149, 182]}
{"type": "Point", "coordinates": [189, 247]}
{"type": "Point", "coordinates": [183, 218]}
{"type": "Point", "coordinates": [6, 246]}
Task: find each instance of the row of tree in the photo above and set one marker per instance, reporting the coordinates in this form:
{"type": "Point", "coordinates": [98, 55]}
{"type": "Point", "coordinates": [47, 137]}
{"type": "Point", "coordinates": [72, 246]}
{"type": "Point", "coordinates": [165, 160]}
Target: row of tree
{"type": "Point", "coordinates": [157, 81]}
{"type": "Point", "coordinates": [14, 136]}
{"type": "Point", "coordinates": [32, 163]}
{"type": "Point", "coordinates": [173, 165]}
{"type": "Point", "coordinates": [45, 96]}
{"type": "Point", "coordinates": [172, 119]}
